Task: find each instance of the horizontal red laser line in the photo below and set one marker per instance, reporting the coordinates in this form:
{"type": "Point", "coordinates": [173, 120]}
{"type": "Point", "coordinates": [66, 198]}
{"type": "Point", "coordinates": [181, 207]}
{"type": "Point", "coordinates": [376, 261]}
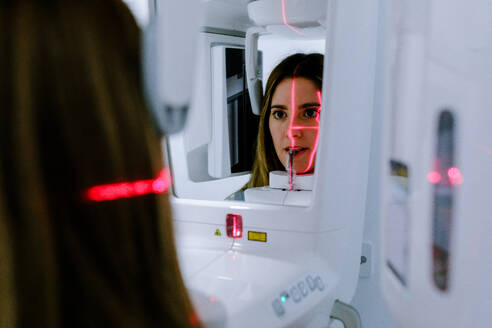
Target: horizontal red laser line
{"type": "Point", "coordinates": [305, 127]}
{"type": "Point", "coordinates": [113, 191]}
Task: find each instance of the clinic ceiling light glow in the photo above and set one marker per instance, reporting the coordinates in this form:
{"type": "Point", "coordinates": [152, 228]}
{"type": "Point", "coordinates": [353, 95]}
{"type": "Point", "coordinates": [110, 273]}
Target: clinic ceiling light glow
{"type": "Point", "coordinates": [113, 191]}
{"type": "Point", "coordinates": [318, 95]}
{"type": "Point", "coordinates": [284, 18]}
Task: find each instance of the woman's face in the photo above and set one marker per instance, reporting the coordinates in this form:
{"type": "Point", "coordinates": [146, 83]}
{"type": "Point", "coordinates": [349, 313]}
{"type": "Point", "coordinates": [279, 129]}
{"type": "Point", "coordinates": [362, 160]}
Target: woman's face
{"type": "Point", "coordinates": [294, 122]}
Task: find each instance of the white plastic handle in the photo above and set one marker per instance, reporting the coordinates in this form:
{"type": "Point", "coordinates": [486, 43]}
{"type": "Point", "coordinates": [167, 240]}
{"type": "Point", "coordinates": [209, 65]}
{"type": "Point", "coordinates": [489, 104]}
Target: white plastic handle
{"type": "Point", "coordinates": [253, 76]}
{"type": "Point", "coordinates": [169, 61]}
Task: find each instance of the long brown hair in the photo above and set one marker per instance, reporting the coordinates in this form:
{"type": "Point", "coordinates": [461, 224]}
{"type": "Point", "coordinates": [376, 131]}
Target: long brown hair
{"type": "Point", "coordinates": [309, 66]}
{"type": "Point", "coordinates": [73, 116]}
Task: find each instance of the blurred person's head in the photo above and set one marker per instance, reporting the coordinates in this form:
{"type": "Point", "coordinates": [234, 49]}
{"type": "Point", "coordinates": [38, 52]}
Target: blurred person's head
{"type": "Point", "coordinates": [73, 116]}
{"type": "Point", "coordinates": [289, 117]}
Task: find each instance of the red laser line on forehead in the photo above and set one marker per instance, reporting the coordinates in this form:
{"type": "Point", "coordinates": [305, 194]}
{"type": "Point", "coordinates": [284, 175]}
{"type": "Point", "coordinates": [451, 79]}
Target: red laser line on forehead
{"type": "Point", "coordinates": [284, 17]}
{"type": "Point", "coordinates": [113, 191]}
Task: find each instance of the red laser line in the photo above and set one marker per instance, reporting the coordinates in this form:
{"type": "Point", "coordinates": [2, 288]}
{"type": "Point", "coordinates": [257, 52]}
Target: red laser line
{"type": "Point", "coordinates": [300, 128]}
{"type": "Point", "coordinates": [318, 94]}
{"type": "Point", "coordinates": [305, 127]}
{"type": "Point", "coordinates": [284, 17]}
{"type": "Point", "coordinates": [313, 153]}
{"type": "Point", "coordinates": [113, 191]}
{"type": "Point", "coordinates": [293, 114]}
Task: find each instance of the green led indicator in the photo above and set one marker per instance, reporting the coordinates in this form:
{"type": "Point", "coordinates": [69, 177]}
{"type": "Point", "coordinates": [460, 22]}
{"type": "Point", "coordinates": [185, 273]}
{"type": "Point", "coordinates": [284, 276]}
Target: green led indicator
{"type": "Point", "coordinates": [283, 299]}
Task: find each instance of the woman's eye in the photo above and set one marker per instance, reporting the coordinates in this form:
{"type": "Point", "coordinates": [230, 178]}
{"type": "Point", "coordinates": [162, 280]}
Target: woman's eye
{"type": "Point", "coordinates": [279, 114]}
{"type": "Point", "coordinates": [311, 112]}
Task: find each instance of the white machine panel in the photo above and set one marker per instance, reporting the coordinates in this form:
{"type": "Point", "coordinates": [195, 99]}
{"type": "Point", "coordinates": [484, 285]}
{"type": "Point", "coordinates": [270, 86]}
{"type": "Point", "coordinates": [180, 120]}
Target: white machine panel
{"type": "Point", "coordinates": [283, 249]}
{"type": "Point", "coordinates": [436, 211]}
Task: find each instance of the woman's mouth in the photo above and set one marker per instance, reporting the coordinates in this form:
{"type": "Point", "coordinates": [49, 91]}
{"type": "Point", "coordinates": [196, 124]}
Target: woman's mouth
{"type": "Point", "coordinates": [295, 150]}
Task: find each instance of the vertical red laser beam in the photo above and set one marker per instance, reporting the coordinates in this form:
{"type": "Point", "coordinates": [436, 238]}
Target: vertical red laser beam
{"type": "Point", "coordinates": [300, 128]}
{"type": "Point", "coordinates": [293, 113]}
{"type": "Point", "coordinates": [318, 94]}
{"type": "Point", "coordinates": [284, 18]}
{"type": "Point", "coordinates": [311, 158]}
{"type": "Point", "coordinates": [315, 149]}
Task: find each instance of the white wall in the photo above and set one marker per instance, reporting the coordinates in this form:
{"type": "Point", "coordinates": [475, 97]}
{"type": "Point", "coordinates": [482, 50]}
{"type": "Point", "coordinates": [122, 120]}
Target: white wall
{"type": "Point", "coordinates": [368, 298]}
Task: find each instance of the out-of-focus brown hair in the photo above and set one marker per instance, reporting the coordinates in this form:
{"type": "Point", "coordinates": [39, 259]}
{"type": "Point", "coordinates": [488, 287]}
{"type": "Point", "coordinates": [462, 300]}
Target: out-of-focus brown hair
{"type": "Point", "coordinates": [72, 116]}
{"type": "Point", "coordinates": [309, 66]}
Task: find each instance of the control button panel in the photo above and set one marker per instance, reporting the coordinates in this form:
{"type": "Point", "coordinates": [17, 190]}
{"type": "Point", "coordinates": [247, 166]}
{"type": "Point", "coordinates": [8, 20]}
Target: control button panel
{"type": "Point", "coordinates": [303, 288]}
{"type": "Point", "coordinates": [319, 283]}
{"type": "Point", "coordinates": [294, 294]}
{"type": "Point", "coordinates": [311, 283]}
{"type": "Point", "coordinates": [278, 307]}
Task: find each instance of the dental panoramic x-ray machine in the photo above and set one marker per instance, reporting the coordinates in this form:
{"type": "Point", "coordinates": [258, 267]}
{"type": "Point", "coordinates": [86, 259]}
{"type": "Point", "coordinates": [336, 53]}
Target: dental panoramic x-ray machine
{"type": "Point", "coordinates": [420, 67]}
{"type": "Point", "coordinates": [270, 265]}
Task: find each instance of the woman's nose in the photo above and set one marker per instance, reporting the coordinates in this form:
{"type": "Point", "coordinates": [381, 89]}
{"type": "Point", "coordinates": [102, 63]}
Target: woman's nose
{"type": "Point", "coordinates": [296, 125]}
{"type": "Point", "coordinates": [294, 131]}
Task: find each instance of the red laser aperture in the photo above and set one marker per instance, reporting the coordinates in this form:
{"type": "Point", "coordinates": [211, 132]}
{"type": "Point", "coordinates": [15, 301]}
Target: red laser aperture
{"type": "Point", "coordinates": [293, 106]}
{"type": "Point", "coordinates": [434, 177]}
{"type": "Point", "coordinates": [455, 176]}
{"type": "Point", "coordinates": [113, 191]}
